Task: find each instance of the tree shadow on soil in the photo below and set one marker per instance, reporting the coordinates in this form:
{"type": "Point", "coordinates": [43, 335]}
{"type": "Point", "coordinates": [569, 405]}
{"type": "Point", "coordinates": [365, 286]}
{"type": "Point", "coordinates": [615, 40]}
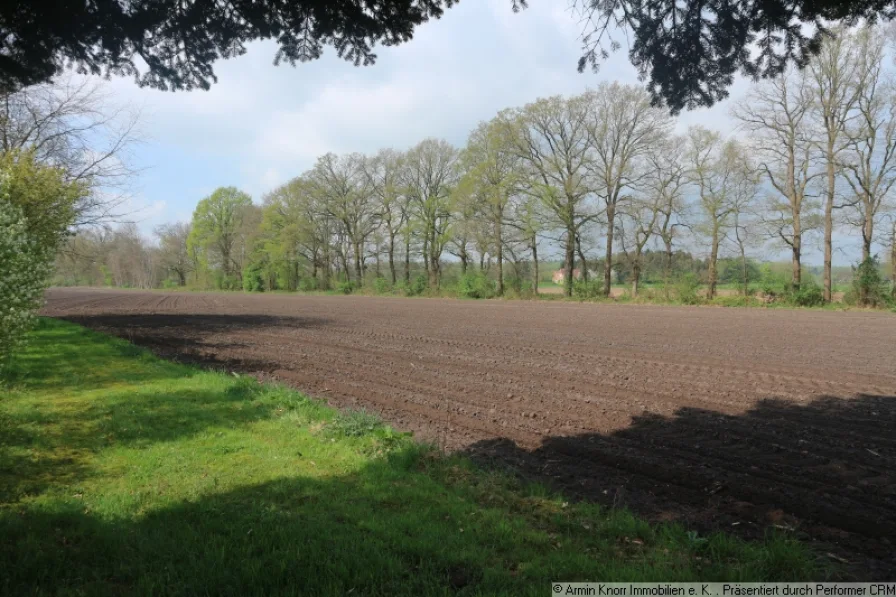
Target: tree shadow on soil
{"type": "Point", "coordinates": [826, 470]}
{"type": "Point", "coordinates": [183, 337]}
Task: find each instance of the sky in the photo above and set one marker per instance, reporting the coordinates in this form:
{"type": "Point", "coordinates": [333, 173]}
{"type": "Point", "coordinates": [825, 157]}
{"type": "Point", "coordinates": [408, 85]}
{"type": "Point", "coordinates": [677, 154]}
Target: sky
{"type": "Point", "coordinates": [262, 125]}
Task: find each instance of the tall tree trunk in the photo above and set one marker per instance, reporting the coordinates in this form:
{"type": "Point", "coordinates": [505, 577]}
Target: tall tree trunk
{"type": "Point", "coordinates": [434, 277]}
{"type": "Point", "coordinates": [225, 263]}
{"type": "Point", "coordinates": [713, 260]}
{"type": "Point", "coordinates": [570, 261]}
{"type": "Point", "coordinates": [358, 274]}
{"type": "Point", "coordinates": [392, 258]}
{"type": "Point", "coordinates": [534, 246]}
{"type": "Point", "coordinates": [743, 271]}
{"type": "Point", "coordinates": [499, 234]}
{"type": "Point", "coordinates": [867, 232]}
{"type": "Point", "coordinates": [667, 269]}
{"type": "Point", "coordinates": [608, 265]}
{"type": "Point", "coordinates": [463, 261]}
{"type": "Point", "coordinates": [636, 272]}
{"type": "Point", "coordinates": [327, 268]}
{"type": "Point", "coordinates": [829, 227]}
{"type": "Point", "coordinates": [583, 263]}
{"type": "Point", "coordinates": [893, 263]}
{"type": "Point", "coordinates": [500, 270]}
{"type": "Point", "coordinates": [796, 266]}
{"type": "Point", "coordinates": [407, 260]}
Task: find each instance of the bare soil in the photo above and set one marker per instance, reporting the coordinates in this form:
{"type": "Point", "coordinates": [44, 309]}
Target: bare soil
{"type": "Point", "coordinates": [730, 419]}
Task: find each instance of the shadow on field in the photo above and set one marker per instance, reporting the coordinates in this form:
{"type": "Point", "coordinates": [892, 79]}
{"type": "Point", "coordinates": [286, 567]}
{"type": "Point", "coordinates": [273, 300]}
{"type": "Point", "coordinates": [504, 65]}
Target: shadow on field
{"type": "Point", "coordinates": [40, 451]}
{"type": "Point", "coordinates": [826, 469]}
{"type": "Point", "coordinates": [44, 443]}
{"type": "Point", "coordinates": [182, 338]}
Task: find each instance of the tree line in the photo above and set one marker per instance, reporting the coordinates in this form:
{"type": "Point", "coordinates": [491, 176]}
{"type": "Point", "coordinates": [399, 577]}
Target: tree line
{"type": "Point", "coordinates": [602, 176]}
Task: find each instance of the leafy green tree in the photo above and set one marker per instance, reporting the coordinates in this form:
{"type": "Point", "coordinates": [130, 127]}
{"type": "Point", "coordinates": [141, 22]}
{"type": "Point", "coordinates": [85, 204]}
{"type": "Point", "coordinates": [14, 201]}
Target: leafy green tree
{"type": "Point", "coordinates": [492, 175]}
{"type": "Point", "coordinates": [44, 196]}
{"type": "Point", "coordinates": [216, 225]}
{"type": "Point", "coordinates": [24, 273]}
{"type": "Point", "coordinates": [551, 138]}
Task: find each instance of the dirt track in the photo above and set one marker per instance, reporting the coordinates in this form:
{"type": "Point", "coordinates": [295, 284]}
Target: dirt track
{"type": "Point", "coordinates": [733, 419]}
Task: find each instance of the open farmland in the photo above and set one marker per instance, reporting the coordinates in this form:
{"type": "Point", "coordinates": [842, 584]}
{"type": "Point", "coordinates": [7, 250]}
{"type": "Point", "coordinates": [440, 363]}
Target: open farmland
{"type": "Point", "coordinates": [729, 419]}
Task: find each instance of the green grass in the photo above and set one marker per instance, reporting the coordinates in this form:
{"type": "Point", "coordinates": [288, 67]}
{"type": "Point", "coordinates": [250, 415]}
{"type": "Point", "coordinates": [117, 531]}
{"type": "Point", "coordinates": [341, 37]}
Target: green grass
{"type": "Point", "coordinates": [124, 474]}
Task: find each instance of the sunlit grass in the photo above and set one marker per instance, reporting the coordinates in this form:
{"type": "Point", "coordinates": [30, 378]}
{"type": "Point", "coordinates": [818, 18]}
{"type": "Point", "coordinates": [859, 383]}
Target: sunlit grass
{"type": "Point", "coordinates": [124, 474]}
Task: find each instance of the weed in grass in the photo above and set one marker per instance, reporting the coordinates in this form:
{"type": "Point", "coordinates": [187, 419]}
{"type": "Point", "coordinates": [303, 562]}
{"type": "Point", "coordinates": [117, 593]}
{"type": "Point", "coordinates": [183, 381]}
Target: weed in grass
{"type": "Point", "coordinates": [355, 423]}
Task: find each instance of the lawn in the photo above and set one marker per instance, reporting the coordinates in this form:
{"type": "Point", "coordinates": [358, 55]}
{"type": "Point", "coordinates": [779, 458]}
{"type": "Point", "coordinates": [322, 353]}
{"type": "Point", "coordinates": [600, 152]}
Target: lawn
{"type": "Point", "coordinates": [124, 474]}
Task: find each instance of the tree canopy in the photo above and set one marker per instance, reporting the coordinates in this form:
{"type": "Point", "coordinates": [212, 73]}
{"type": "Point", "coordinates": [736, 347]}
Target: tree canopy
{"type": "Point", "coordinates": [688, 51]}
{"type": "Point", "coordinates": [174, 43]}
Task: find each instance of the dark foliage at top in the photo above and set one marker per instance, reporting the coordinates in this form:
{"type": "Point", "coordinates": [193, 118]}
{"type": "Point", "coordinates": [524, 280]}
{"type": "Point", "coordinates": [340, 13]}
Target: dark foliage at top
{"type": "Point", "coordinates": [687, 50]}
{"type": "Point", "coordinates": [178, 40]}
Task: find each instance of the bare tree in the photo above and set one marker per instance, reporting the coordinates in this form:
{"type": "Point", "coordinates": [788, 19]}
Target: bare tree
{"type": "Point", "coordinates": [777, 113]}
{"type": "Point", "coordinates": [720, 172]}
{"type": "Point", "coordinates": [622, 126]}
{"type": "Point", "coordinates": [383, 172]}
{"type": "Point", "coordinates": [174, 254]}
{"type": "Point", "coordinates": [526, 221]}
{"type": "Point", "coordinates": [832, 74]}
{"type": "Point", "coordinates": [467, 215]}
{"type": "Point", "coordinates": [76, 125]}
{"type": "Point", "coordinates": [550, 136]}
{"type": "Point", "coordinates": [871, 162]}
{"type": "Point", "coordinates": [430, 175]}
{"type": "Point", "coordinates": [346, 192]}
{"type": "Point", "coordinates": [893, 261]}
{"type": "Point", "coordinates": [666, 182]}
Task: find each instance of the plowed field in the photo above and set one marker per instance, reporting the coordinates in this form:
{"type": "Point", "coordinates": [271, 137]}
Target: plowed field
{"type": "Point", "coordinates": [731, 419]}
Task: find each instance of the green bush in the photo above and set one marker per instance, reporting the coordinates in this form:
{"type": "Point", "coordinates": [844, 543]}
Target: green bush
{"type": "Point", "coordinates": [591, 289]}
{"type": "Point", "coordinates": [345, 287]}
{"type": "Point", "coordinates": [307, 284]}
{"type": "Point", "coordinates": [810, 294]}
{"type": "Point", "coordinates": [516, 284]}
{"type": "Point", "coordinates": [476, 285]}
{"type": "Point", "coordinates": [223, 282]}
{"type": "Point", "coordinates": [686, 289]}
{"type": "Point", "coordinates": [253, 278]}
{"type": "Point", "coordinates": [417, 286]}
{"type": "Point", "coordinates": [868, 287]}
{"type": "Point", "coordinates": [382, 286]}
{"type": "Point", "coordinates": [773, 285]}
{"type": "Point", "coordinates": [24, 275]}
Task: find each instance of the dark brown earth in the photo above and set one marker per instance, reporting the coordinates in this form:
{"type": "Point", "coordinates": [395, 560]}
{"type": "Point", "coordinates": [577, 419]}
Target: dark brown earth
{"type": "Point", "coordinates": [731, 419]}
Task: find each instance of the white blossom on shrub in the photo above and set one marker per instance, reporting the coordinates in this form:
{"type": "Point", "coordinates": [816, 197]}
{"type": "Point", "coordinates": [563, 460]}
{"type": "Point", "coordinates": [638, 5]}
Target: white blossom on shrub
{"type": "Point", "coordinates": [24, 273]}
